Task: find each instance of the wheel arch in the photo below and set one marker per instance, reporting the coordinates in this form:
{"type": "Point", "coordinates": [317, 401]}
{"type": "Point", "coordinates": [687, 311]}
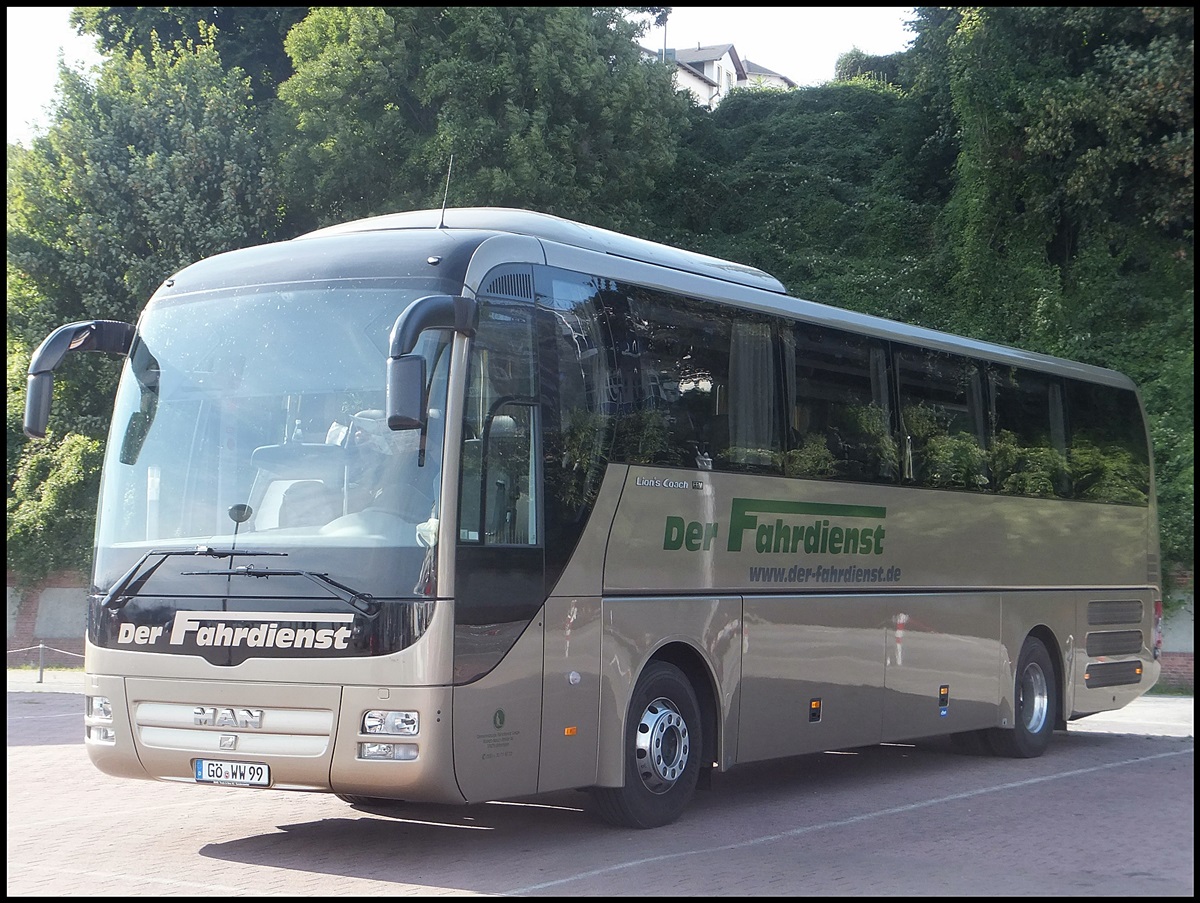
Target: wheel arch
{"type": "Point", "coordinates": [1054, 647]}
{"type": "Point", "coordinates": [700, 675]}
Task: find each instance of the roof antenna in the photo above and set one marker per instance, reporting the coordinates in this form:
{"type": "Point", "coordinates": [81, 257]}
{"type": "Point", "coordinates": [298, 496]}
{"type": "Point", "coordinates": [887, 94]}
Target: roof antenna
{"type": "Point", "coordinates": [449, 169]}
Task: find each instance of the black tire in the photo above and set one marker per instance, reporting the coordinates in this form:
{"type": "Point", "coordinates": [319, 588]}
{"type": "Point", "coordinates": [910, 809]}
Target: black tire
{"type": "Point", "coordinates": [1035, 706]}
{"type": "Point", "coordinates": [663, 749]}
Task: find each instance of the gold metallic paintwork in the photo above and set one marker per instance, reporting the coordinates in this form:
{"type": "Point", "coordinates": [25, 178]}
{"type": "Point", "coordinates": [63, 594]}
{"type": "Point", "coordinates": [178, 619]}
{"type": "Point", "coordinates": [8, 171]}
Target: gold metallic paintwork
{"type": "Point", "coordinates": [939, 539]}
{"type": "Point", "coordinates": [426, 779]}
{"type": "Point", "coordinates": [635, 628]}
{"type": "Point", "coordinates": [294, 766]}
{"type": "Point", "coordinates": [793, 652]}
{"type": "Point", "coordinates": [1011, 567]}
{"type": "Point", "coordinates": [570, 693]}
{"type": "Point", "coordinates": [935, 641]}
{"type": "Point", "coordinates": [498, 723]}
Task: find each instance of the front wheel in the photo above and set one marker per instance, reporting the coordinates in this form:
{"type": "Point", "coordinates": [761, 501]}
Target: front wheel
{"type": "Point", "coordinates": [662, 752]}
{"type": "Point", "coordinates": [1034, 705]}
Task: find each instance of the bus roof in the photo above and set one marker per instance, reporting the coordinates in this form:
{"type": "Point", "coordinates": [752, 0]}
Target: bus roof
{"type": "Point", "coordinates": [592, 238]}
{"type": "Point", "coordinates": [564, 231]}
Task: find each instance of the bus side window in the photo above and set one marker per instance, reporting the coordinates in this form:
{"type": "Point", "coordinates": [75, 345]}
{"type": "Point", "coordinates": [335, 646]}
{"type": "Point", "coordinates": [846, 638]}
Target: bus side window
{"type": "Point", "coordinates": [1028, 452]}
{"type": "Point", "coordinates": [508, 475]}
{"type": "Point", "coordinates": [497, 502]}
{"type": "Point", "coordinates": [841, 421]}
{"type": "Point", "coordinates": [941, 420]}
{"type": "Point", "coordinates": [1109, 456]}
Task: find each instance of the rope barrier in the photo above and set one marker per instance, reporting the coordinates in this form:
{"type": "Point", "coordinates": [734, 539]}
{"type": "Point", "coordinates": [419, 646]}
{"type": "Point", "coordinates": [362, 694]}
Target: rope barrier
{"type": "Point", "coordinates": [41, 648]}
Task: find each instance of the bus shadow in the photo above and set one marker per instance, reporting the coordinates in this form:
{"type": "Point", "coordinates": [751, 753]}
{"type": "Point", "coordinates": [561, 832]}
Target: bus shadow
{"type": "Point", "coordinates": [493, 848]}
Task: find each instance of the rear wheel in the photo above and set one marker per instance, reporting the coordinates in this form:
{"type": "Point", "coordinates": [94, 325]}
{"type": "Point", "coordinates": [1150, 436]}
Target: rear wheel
{"type": "Point", "coordinates": [1034, 705]}
{"type": "Point", "coordinates": [662, 752]}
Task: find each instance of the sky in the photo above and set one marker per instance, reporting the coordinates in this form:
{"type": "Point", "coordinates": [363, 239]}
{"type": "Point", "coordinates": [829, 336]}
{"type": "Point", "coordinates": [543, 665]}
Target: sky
{"type": "Point", "coordinates": [802, 43]}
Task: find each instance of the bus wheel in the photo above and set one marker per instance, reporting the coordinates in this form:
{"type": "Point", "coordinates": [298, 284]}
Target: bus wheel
{"type": "Point", "coordinates": [662, 752]}
{"type": "Point", "coordinates": [1034, 706]}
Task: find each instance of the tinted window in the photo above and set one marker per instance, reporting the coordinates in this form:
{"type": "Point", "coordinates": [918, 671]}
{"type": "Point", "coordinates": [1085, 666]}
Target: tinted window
{"type": "Point", "coordinates": [697, 384]}
{"type": "Point", "coordinates": [1109, 458]}
{"type": "Point", "coordinates": [1029, 446]}
{"type": "Point", "coordinates": [840, 421]}
{"type": "Point", "coordinates": [941, 420]}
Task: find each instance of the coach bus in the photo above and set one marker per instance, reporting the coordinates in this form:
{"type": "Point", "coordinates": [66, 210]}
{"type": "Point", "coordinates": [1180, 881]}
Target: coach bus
{"type": "Point", "coordinates": [470, 504]}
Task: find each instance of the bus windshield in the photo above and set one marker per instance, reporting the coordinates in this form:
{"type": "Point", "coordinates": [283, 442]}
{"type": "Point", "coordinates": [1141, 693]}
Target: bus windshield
{"type": "Point", "coordinates": [252, 418]}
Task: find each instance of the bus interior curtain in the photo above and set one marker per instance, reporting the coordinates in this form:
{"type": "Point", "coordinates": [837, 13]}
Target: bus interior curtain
{"type": "Point", "coordinates": [753, 407]}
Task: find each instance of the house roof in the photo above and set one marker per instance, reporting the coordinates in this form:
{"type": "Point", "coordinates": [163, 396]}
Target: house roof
{"type": "Point", "coordinates": [710, 54]}
{"type": "Point", "coordinates": [754, 69]}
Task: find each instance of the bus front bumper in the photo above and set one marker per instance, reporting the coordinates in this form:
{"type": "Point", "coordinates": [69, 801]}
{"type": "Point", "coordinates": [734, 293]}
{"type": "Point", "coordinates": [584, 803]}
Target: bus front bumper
{"type": "Point", "coordinates": [391, 742]}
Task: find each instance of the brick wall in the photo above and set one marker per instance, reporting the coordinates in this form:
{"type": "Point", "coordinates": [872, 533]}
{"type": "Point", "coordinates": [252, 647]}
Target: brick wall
{"type": "Point", "coordinates": [1178, 671]}
{"type": "Point", "coordinates": [52, 615]}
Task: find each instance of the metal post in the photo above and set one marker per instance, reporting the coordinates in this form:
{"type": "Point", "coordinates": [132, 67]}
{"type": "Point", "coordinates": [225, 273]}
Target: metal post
{"type": "Point", "coordinates": [41, 660]}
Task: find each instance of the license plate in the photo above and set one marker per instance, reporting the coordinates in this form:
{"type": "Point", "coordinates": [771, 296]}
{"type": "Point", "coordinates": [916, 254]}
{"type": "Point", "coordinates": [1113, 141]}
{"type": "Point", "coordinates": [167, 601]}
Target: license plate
{"type": "Point", "coordinates": [237, 774]}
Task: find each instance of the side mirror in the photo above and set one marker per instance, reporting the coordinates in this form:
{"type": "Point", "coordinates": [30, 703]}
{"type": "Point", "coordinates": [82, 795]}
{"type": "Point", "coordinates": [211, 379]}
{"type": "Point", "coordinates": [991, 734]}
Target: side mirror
{"type": "Point", "coordinates": [405, 406]}
{"type": "Point", "coordinates": [109, 336]}
{"type": "Point", "coordinates": [38, 393]}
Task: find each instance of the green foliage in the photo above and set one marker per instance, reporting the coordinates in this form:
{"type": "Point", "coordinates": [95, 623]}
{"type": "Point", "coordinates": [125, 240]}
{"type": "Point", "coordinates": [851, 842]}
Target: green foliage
{"type": "Point", "coordinates": [807, 185]}
{"type": "Point", "coordinates": [854, 64]}
{"type": "Point", "coordinates": [249, 38]}
{"type": "Point", "coordinates": [642, 437]}
{"type": "Point", "coordinates": [545, 107]}
{"type": "Point", "coordinates": [1018, 469]}
{"type": "Point", "coordinates": [155, 164]}
{"type": "Point", "coordinates": [1106, 474]}
{"type": "Point", "coordinates": [1070, 227]}
{"type": "Point", "coordinates": [954, 462]}
{"type": "Point", "coordinates": [812, 459]}
{"type": "Point", "coordinates": [51, 507]}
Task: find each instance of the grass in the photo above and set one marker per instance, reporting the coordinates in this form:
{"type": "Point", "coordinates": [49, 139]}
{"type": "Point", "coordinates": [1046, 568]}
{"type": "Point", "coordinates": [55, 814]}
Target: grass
{"type": "Point", "coordinates": [1160, 690]}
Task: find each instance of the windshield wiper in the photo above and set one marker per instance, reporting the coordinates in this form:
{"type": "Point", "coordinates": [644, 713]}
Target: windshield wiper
{"type": "Point", "coordinates": [363, 603]}
{"type": "Point", "coordinates": [128, 587]}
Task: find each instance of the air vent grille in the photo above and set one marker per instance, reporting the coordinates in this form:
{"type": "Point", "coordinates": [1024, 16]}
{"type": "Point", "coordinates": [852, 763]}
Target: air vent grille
{"type": "Point", "coordinates": [1114, 642]}
{"type": "Point", "coordinates": [1114, 611]}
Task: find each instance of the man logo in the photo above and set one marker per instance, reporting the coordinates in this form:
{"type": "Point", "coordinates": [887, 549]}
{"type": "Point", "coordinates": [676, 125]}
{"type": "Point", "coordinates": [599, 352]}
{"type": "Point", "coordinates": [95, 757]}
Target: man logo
{"type": "Point", "coordinates": [228, 741]}
{"type": "Point", "coordinates": [211, 716]}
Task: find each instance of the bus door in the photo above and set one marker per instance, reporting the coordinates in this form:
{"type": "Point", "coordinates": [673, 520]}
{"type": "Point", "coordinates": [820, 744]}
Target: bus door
{"type": "Point", "coordinates": [499, 562]}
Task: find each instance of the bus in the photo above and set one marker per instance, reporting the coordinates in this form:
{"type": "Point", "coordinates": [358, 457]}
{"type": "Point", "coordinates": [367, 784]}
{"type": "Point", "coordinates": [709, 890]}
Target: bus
{"type": "Point", "coordinates": [461, 505]}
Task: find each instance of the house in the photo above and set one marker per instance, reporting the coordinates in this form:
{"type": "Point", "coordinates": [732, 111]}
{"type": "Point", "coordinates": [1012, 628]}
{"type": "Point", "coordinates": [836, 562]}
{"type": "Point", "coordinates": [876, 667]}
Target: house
{"type": "Point", "coordinates": [761, 77]}
{"type": "Point", "coordinates": [710, 73]}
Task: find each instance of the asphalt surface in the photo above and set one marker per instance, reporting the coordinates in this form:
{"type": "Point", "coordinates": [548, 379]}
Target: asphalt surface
{"type": "Point", "coordinates": [888, 820]}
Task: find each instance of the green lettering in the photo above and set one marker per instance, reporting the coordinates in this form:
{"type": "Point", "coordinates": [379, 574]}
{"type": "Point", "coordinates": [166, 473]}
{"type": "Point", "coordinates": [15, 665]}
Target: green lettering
{"type": "Point", "coordinates": [673, 538]}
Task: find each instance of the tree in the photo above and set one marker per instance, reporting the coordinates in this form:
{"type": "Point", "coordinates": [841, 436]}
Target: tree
{"type": "Point", "coordinates": [855, 64]}
{"type": "Point", "coordinates": [1071, 218]}
{"type": "Point", "coordinates": [547, 107]}
{"type": "Point", "coordinates": [249, 38]}
{"type": "Point", "coordinates": [155, 165]}
{"type": "Point", "coordinates": [809, 186]}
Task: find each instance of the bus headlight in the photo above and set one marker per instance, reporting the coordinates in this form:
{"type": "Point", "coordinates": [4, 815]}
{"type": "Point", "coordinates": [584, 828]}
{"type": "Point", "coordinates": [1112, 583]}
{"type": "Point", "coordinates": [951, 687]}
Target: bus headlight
{"type": "Point", "coordinates": [99, 734]}
{"type": "Point", "coordinates": [99, 708]}
{"type": "Point", "coordinates": [404, 723]}
{"type": "Point", "coordinates": [403, 752]}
